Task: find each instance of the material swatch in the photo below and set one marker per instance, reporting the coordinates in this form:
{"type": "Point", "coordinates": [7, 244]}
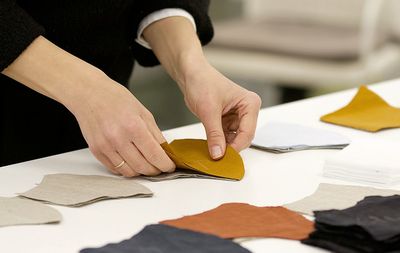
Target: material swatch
{"type": "Point", "coordinates": [333, 196]}
{"type": "Point", "coordinates": [192, 154]}
{"type": "Point", "coordinates": [79, 190]}
{"type": "Point", "coordinates": [367, 111]}
{"type": "Point", "coordinates": [280, 137]}
{"type": "Point", "coordinates": [181, 173]}
{"type": "Point", "coordinates": [373, 225]}
{"type": "Point", "coordinates": [234, 220]}
{"type": "Point", "coordinates": [17, 211]}
{"type": "Point", "coordinates": [165, 239]}
{"type": "Point", "coordinates": [373, 161]}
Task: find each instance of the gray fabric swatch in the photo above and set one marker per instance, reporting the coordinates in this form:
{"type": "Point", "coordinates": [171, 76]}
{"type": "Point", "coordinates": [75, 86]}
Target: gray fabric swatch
{"type": "Point", "coordinates": [79, 190]}
{"type": "Point", "coordinates": [277, 137]}
{"type": "Point", "coordinates": [166, 239]}
{"type": "Point", "coordinates": [17, 211]}
{"type": "Point", "coordinates": [331, 196]}
{"type": "Point", "coordinates": [181, 174]}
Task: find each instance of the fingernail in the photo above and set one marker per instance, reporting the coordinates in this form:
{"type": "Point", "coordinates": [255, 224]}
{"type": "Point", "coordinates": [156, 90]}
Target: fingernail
{"type": "Point", "coordinates": [216, 152]}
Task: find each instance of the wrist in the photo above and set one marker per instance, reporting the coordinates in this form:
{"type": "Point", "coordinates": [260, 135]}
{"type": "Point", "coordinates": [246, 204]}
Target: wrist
{"type": "Point", "coordinates": [189, 67]}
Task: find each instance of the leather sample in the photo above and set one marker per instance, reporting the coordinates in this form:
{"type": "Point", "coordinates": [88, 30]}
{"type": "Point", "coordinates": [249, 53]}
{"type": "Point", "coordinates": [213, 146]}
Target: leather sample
{"type": "Point", "coordinates": [373, 225]}
{"type": "Point", "coordinates": [332, 196]}
{"type": "Point", "coordinates": [278, 137]}
{"type": "Point", "coordinates": [180, 174]}
{"type": "Point", "coordinates": [192, 154]}
{"type": "Point", "coordinates": [373, 161]}
{"type": "Point", "coordinates": [367, 111]}
{"type": "Point", "coordinates": [165, 239]}
{"type": "Point", "coordinates": [17, 211]}
{"type": "Point", "coordinates": [79, 190]}
{"type": "Point", "coordinates": [234, 220]}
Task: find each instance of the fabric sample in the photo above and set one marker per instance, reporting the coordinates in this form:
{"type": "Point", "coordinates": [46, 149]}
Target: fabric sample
{"type": "Point", "coordinates": [192, 154]}
{"type": "Point", "coordinates": [79, 190]}
{"type": "Point", "coordinates": [17, 211]}
{"type": "Point", "coordinates": [234, 220]}
{"type": "Point", "coordinates": [166, 239]}
{"type": "Point", "coordinates": [367, 111]}
{"type": "Point", "coordinates": [280, 137]}
{"type": "Point", "coordinates": [372, 225]}
{"type": "Point", "coordinates": [373, 161]}
{"type": "Point", "coordinates": [180, 173]}
{"type": "Point", "coordinates": [332, 196]}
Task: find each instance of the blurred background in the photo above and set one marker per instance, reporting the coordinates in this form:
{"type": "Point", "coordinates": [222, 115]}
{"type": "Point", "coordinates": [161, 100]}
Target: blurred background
{"type": "Point", "coordinates": [286, 50]}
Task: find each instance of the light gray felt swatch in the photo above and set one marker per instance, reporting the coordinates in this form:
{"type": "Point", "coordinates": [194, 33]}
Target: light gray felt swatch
{"type": "Point", "coordinates": [332, 196]}
{"type": "Point", "coordinates": [17, 211]}
{"type": "Point", "coordinates": [79, 190]}
{"type": "Point", "coordinates": [181, 174]}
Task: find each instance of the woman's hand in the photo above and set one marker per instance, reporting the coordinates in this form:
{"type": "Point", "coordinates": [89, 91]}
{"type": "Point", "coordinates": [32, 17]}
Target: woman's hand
{"type": "Point", "coordinates": [228, 112]}
{"type": "Point", "coordinates": [120, 132]}
{"type": "Point", "coordinates": [118, 128]}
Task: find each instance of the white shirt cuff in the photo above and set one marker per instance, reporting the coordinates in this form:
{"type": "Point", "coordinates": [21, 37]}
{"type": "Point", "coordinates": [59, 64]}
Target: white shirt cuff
{"type": "Point", "coordinates": [157, 15]}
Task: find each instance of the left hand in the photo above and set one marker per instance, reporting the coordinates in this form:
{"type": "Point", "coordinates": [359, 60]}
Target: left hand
{"type": "Point", "coordinates": [228, 112]}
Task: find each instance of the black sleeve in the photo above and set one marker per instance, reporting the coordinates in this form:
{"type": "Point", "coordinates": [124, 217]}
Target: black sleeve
{"type": "Point", "coordinates": [17, 31]}
{"type": "Point", "coordinates": [197, 8]}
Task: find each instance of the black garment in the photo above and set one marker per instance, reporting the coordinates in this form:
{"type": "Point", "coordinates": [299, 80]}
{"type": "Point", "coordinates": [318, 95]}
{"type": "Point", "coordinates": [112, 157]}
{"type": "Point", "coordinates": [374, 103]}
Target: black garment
{"type": "Point", "coordinates": [166, 239]}
{"type": "Point", "coordinates": [372, 225]}
{"type": "Point", "coordinates": [100, 32]}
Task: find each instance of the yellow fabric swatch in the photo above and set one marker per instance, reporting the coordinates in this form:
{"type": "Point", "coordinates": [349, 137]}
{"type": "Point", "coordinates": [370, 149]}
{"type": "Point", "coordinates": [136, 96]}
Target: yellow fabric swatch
{"type": "Point", "coordinates": [367, 111]}
{"type": "Point", "coordinates": [193, 155]}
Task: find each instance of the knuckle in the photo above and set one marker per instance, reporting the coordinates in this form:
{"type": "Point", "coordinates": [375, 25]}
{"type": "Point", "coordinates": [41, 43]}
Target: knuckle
{"type": "Point", "coordinates": [98, 146]}
{"type": "Point", "coordinates": [127, 172]}
{"type": "Point", "coordinates": [152, 172]}
{"type": "Point", "coordinates": [249, 136]}
{"type": "Point", "coordinates": [255, 98]}
{"type": "Point", "coordinates": [216, 134]}
{"type": "Point", "coordinates": [148, 116]}
{"type": "Point", "coordinates": [111, 134]}
{"type": "Point", "coordinates": [133, 124]}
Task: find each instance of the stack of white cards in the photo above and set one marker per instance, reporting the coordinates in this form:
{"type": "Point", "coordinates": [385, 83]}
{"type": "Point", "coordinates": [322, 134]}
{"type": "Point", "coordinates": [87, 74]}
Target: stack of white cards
{"type": "Point", "coordinates": [280, 137]}
{"type": "Point", "coordinates": [371, 161]}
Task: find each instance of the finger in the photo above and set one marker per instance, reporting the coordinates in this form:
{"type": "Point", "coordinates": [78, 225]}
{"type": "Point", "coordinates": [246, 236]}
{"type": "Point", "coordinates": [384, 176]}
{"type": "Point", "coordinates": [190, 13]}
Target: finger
{"type": "Point", "coordinates": [136, 161]}
{"type": "Point", "coordinates": [117, 160]}
{"type": "Point", "coordinates": [246, 130]}
{"type": "Point", "coordinates": [215, 135]}
{"type": "Point", "coordinates": [230, 124]}
{"type": "Point", "coordinates": [159, 137]}
{"type": "Point", "coordinates": [106, 162]}
{"type": "Point", "coordinates": [150, 148]}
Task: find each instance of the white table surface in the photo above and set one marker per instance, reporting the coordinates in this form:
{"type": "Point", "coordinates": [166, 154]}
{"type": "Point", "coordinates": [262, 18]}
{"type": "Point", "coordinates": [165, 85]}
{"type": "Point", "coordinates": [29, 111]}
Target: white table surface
{"type": "Point", "coordinates": [271, 179]}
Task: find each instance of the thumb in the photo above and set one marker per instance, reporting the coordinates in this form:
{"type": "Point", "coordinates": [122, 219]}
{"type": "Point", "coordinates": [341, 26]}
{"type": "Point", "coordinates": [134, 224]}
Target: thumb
{"type": "Point", "coordinates": [215, 135]}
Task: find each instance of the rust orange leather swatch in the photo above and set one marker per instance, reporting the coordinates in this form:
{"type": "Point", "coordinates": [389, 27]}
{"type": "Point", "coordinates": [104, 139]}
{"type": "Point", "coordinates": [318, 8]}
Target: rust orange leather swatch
{"type": "Point", "coordinates": [192, 154]}
{"type": "Point", "coordinates": [235, 220]}
{"type": "Point", "coordinates": [367, 111]}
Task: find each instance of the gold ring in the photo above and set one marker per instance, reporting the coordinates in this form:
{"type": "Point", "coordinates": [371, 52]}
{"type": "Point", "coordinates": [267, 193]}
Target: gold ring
{"type": "Point", "coordinates": [120, 165]}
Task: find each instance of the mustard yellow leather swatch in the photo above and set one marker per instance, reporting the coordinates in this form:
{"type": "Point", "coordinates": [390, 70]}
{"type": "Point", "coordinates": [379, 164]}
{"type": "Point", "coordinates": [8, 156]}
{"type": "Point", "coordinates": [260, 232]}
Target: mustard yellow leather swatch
{"type": "Point", "coordinates": [367, 111]}
{"type": "Point", "coordinates": [192, 154]}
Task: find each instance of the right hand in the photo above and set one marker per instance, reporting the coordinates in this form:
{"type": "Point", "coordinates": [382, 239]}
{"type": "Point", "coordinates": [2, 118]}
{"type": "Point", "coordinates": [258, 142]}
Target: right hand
{"type": "Point", "coordinates": [117, 128]}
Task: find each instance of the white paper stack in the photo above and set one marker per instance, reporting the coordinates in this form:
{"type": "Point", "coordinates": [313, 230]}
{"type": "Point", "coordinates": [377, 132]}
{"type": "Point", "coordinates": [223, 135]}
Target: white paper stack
{"type": "Point", "coordinates": [371, 161]}
{"type": "Point", "coordinates": [280, 137]}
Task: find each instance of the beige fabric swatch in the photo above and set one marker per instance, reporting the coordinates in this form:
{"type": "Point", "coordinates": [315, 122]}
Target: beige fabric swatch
{"type": "Point", "coordinates": [181, 174]}
{"type": "Point", "coordinates": [17, 211]}
{"type": "Point", "coordinates": [79, 190]}
{"type": "Point", "coordinates": [332, 196]}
